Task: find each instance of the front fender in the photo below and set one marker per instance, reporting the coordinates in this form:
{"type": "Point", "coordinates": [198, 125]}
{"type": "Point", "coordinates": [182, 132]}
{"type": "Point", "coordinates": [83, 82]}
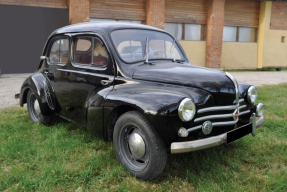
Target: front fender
{"type": "Point", "coordinates": [157, 102]}
{"type": "Point", "coordinates": [43, 91]}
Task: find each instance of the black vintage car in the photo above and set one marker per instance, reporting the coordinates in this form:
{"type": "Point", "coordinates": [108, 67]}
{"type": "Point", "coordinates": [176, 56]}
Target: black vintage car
{"type": "Point", "coordinates": [133, 85]}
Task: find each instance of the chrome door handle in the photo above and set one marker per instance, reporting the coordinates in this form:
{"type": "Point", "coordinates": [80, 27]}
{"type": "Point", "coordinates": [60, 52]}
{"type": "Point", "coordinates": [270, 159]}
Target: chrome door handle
{"type": "Point", "coordinates": [106, 82]}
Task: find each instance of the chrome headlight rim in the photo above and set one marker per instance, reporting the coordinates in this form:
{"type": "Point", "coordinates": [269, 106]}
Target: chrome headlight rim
{"type": "Point", "coordinates": [260, 108]}
{"type": "Point", "coordinates": [249, 94]}
{"type": "Point", "coordinates": [181, 107]}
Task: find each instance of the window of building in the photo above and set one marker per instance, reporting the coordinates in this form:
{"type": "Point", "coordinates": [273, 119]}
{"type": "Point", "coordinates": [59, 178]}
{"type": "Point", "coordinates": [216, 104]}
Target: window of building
{"type": "Point", "coordinates": [229, 33]}
{"type": "Point", "coordinates": [239, 34]}
{"type": "Point", "coordinates": [175, 29]}
{"type": "Point", "coordinates": [192, 32]}
{"type": "Point", "coordinates": [90, 52]}
{"type": "Point", "coordinates": [59, 51]}
{"type": "Point", "coordinates": [182, 31]}
{"type": "Point", "coordinates": [247, 34]}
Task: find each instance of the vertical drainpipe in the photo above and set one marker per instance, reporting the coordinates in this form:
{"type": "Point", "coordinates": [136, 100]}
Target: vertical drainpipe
{"type": "Point", "coordinates": [263, 33]}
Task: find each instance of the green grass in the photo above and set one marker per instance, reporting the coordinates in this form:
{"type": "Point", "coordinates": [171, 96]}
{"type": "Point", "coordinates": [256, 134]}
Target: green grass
{"type": "Point", "coordinates": [63, 157]}
{"type": "Point", "coordinates": [254, 70]}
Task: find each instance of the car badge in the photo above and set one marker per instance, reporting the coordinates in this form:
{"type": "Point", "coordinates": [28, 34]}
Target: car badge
{"type": "Point", "coordinates": [235, 115]}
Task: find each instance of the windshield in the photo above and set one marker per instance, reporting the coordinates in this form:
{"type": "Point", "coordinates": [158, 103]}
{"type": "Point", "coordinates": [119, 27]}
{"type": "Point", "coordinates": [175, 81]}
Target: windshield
{"type": "Point", "coordinates": [131, 45]}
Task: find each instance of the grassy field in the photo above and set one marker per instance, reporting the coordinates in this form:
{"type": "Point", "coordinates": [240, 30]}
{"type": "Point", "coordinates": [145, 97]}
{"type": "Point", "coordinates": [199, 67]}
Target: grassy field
{"type": "Point", "coordinates": [63, 157]}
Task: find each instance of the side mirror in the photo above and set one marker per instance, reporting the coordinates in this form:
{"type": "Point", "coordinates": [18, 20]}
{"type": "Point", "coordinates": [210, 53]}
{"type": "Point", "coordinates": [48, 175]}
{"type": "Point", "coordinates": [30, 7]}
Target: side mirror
{"type": "Point", "coordinates": [43, 57]}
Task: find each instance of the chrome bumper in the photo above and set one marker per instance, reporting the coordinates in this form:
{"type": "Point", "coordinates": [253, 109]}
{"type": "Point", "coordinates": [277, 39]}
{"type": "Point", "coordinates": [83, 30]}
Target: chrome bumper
{"type": "Point", "coordinates": [188, 146]}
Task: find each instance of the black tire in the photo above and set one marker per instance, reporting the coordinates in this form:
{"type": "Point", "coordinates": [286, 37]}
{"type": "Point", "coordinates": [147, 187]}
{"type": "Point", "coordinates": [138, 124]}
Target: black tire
{"type": "Point", "coordinates": [153, 161]}
{"type": "Point", "coordinates": [35, 114]}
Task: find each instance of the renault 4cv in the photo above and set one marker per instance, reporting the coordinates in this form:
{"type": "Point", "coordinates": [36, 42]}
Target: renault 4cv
{"type": "Point", "coordinates": [133, 85]}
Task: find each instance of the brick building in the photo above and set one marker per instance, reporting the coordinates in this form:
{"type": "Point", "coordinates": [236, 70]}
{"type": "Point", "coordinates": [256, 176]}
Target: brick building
{"type": "Point", "coordinates": [214, 33]}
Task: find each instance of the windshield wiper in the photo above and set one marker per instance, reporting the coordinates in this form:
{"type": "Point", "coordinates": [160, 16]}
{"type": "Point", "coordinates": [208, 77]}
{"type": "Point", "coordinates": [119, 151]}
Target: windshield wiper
{"type": "Point", "coordinates": [146, 50]}
{"type": "Point", "coordinates": [172, 51]}
{"type": "Point", "coordinates": [147, 53]}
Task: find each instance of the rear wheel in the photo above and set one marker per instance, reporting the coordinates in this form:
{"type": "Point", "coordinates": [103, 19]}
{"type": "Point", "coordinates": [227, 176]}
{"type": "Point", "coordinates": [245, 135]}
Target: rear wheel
{"type": "Point", "coordinates": [35, 110]}
{"type": "Point", "coordinates": [138, 147]}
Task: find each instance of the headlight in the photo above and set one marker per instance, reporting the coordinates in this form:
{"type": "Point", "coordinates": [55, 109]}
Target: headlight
{"type": "Point", "coordinates": [259, 109]}
{"type": "Point", "coordinates": [252, 95]}
{"type": "Point", "coordinates": [186, 110]}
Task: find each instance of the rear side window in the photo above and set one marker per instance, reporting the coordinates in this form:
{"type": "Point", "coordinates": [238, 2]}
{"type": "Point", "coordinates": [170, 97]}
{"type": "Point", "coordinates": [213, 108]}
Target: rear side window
{"type": "Point", "coordinates": [59, 52]}
{"type": "Point", "coordinates": [90, 51]}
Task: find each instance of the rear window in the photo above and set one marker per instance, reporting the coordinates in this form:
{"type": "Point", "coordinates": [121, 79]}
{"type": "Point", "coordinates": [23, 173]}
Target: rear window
{"type": "Point", "coordinates": [59, 52]}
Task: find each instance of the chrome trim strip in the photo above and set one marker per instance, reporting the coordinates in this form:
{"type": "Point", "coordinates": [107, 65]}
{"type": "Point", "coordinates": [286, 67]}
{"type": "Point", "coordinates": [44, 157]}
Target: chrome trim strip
{"type": "Point", "coordinates": [241, 100]}
{"type": "Point", "coordinates": [244, 112]}
{"type": "Point", "coordinates": [87, 73]}
{"type": "Point", "coordinates": [194, 128]}
{"type": "Point", "coordinates": [213, 117]}
{"type": "Point", "coordinates": [221, 108]}
{"type": "Point", "coordinates": [242, 106]}
{"type": "Point", "coordinates": [235, 85]}
{"type": "Point", "coordinates": [188, 146]}
{"type": "Point", "coordinates": [224, 123]}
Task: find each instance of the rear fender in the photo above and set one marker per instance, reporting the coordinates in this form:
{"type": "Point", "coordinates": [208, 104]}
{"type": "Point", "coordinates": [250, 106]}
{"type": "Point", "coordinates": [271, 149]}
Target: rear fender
{"type": "Point", "coordinates": [41, 86]}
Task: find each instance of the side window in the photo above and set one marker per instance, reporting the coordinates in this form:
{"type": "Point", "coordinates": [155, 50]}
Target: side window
{"type": "Point", "coordinates": [59, 52]}
{"type": "Point", "coordinates": [90, 52]}
{"type": "Point", "coordinates": [101, 56]}
{"type": "Point", "coordinates": [83, 51]}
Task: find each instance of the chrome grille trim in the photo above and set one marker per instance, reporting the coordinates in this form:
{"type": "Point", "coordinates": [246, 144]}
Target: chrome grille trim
{"type": "Point", "coordinates": [221, 108]}
{"type": "Point", "coordinates": [216, 124]}
{"type": "Point", "coordinates": [242, 106]}
{"type": "Point", "coordinates": [213, 117]}
{"type": "Point", "coordinates": [244, 112]}
{"type": "Point", "coordinates": [224, 123]}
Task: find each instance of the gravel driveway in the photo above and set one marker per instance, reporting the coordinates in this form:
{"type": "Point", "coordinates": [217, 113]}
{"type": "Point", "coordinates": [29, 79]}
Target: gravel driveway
{"type": "Point", "coordinates": [10, 85]}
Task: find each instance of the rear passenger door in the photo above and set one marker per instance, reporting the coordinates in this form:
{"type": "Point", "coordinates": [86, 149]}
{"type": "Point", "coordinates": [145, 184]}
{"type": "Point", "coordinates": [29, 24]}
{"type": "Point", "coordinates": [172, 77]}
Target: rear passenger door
{"type": "Point", "coordinates": [58, 58]}
{"type": "Point", "coordinates": [91, 79]}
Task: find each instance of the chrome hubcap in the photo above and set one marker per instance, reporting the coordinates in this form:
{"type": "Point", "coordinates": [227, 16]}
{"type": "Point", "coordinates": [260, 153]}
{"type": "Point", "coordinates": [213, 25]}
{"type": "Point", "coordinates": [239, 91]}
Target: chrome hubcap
{"type": "Point", "coordinates": [137, 145]}
{"type": "Point", "coordinates": [37, 108]}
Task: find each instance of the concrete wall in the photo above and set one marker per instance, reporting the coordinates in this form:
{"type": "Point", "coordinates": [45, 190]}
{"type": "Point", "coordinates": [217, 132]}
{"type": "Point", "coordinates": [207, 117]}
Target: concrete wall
{"type": "Point", "coordinates": [271, 51]}
{"type": "Point", "coordinates": [276, 51]}
{"type": "Point", "coordinates": [195, 51]}
{"type": "Point", "coordinates": [237, 55]}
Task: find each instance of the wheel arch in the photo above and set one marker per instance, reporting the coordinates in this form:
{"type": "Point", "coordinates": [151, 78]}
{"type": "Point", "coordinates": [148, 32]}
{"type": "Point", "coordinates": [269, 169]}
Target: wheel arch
{"type": "Point", "coordinates": [114, 116]}
{"type": "Point", "coordinates": [39, 85]}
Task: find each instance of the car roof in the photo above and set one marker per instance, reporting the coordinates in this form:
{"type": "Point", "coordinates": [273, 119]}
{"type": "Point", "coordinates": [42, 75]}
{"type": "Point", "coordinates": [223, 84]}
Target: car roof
{"type": "Point", "coordinates": [101, 27]}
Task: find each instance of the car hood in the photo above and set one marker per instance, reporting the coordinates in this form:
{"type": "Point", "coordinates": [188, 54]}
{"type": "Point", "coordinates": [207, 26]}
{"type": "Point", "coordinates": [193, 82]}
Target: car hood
{"type": "Point", "coordinates": [213, 81]}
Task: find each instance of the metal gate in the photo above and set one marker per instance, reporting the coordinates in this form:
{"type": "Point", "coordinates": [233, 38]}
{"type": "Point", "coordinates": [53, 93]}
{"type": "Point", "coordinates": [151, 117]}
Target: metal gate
{"type": "Point", "coordinates": [23, 33]}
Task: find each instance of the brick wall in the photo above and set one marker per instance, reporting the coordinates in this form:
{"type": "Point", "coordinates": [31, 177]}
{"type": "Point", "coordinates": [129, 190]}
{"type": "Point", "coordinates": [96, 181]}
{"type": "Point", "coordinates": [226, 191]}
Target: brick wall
{"type": "Point", "coordinates": [279, 16]}
{"type": "Point", "coordinates": [79, 11]}
{"type": "Point", "coordinates": [37, 3]}
{"type": "Point", "coordinates": [155, 13]}
{"type": "Point", "coordinates": [215, 21]}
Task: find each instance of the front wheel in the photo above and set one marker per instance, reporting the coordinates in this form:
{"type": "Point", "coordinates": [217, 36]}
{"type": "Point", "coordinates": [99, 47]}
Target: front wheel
{"type": "Point", "coordinates": [138, 147]}
{"type": "Point", "coordinates": [35, 110]}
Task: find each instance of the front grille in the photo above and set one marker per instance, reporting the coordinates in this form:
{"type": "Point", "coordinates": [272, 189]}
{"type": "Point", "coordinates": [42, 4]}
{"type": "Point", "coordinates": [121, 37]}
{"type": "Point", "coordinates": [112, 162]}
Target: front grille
{"type": "Point", "coordinates": [222, 119]}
